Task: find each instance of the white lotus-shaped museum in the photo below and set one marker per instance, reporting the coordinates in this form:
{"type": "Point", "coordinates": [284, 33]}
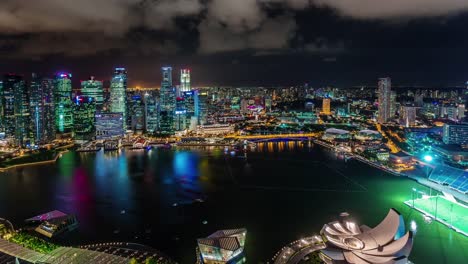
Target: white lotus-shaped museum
{"type": "Point", "coordinates": [387, 243]}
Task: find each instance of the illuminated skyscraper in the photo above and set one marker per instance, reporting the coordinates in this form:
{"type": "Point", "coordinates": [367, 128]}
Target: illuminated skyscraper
{"type": "Point", "coordinates": [185, 81]}
{"type": "Point", "coordinates": [93, 88]}
{"type": "Point", "coordinates": [408, 115]}
{"type": "Point", "coordinates": [136, 112]}
{"type": "Point", "coordinates": [180, 114]}
{"type": "Point", "coordinates": [63, 103]}
{"type": "Point", "coordinates": [16, 109]}
{"type": "Point", "coordinates": [10, 81]}
{"type": "Point", "coordinates": [190, 98]}
{"type": "Point", "coordinates": [385, 93]}
{"type": "Point", "coordinates": [151, 113]}
{"type": "Point", "coordinates": [84, 111]}
{"type": "Point", "coordinates": [41, 104]}
{"type": "Point", "coordinates": [167, 103]}
{"type": "Point", "coordinates": [326, 106]}
{"type": "Point", "coordinates": [118, 89]}
{"type": "Point", "coordinates": [201, 107]}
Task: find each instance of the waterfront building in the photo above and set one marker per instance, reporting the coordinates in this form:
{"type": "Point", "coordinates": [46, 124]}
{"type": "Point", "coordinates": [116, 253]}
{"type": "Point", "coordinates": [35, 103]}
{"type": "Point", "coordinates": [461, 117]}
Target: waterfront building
{"type": "Point", "coordinates": [201, 107]}
{"type": "Point", "coordinates": [455, 134]}
{"type": "Point", "coordinates": [326, 106]}
{"type": "Point", "coordinates": [94, 89]}
{"type": "Point", "coordinates": [84, 111]}
{"type": "Point", "coordinates": [151, 113]}
{"type": "Point", "coordinates": [222, 247]}
{"type": "Point", "coordinates": [216, 129]}
{"type": "Point", "coordinates": [118, 88]}
{"type": "Point", "coordinates": [16, 109]}
{"type": "Point", "coordinates": [408, 115]}
{"type": "Point", "coordinates": [136, 112]}
{"type": "Point", "coordinates": [41, 104]}
{"type": "Point", "coordinates": [167, 103]}
{"type": "Point", "coordinates": [180, 115]}
{"type": "Point", "coordinates": [384, 99]}
{"type": "Point", "coordinates": [63, 104]}
{"type": "Point", "coordinates": [190, 100]}
{"type": "Point", "coordinates": [109, 125]}
{"type": "Point", "coordinates": [185, 85]}
{"type": "Point", "coordinates": [346, 242]}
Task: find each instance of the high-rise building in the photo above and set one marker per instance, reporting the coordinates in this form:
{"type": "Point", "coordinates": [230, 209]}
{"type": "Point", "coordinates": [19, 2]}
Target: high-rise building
{"type": "Point", "coordinates": [109, 125]}
{"type": "Point", "coordinates": [385, 93]}
{"type": "Point", "coordinates": [151, 113]}
{"type": "Point", "coordinates": [201, 107]}
{"type": "Point", "coordinates": [326, 106]}
{"type": "Point", "coordinates": [84, 111]}
{"type": "Point", "coordinates": [190, 98]}
{"type": "Point", "coordinates": [10, 81]}
{"type": "Point", "coordinates": [455, 134]}
{"type": "Point", "coordinates": [63, 104]}
{"type": "Point", "coordinates": [167, 103]}
{"type": "Point", "coordinates": [408, 115]}
{"type": "Point", "coordinates": [185, 81]}
{"type": "Point", "coordinates": [41, 105]}
{"type": "Point", "coordinates": [94, 89]}
{"type": "Point", "coordinates": [118, 88]}
{"type": "Point", "coordinates": [17, 109]}
{"type": "Point", "coordinates": [180, 114]}
{"type": "Point", "coordinates": [136, 112]}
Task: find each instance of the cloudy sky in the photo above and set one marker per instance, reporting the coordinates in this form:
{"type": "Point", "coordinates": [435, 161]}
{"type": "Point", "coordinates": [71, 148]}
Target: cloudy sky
{"type": "Point", "coordinates": [240, 42]}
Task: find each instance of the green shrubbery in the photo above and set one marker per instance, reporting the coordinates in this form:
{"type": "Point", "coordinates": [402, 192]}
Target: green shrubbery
{"type": "Point", "coordinates": [34, 243]}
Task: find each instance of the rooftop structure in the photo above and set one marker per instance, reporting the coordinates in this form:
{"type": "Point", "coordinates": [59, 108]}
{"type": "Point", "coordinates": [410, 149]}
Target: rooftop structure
{"type": "Point", "coordinates": [349, 243]}
{"type": "Point", "coordinates": [224, 246]}
{"type": "Point", "coordinates": [334, 133]}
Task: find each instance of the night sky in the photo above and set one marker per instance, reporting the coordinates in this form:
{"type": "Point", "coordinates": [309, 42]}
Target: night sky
{"type": "Point", "coordinates": [240, 42]}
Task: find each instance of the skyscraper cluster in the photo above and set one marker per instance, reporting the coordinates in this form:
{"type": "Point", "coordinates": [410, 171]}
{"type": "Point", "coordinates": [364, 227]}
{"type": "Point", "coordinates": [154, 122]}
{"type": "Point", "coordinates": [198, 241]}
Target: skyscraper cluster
{"type": "Point", "coordinates": [38, 111]}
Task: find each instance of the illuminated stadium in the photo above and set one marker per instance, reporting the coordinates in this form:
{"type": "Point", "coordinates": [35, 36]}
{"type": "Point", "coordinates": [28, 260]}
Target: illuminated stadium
{"type": "Point", "coordinates": [454, 178]}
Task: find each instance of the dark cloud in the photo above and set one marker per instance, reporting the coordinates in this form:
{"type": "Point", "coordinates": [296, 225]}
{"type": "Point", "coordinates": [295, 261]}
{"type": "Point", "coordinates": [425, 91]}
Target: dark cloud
{"type": "Point", "coordinates": [83, 27]}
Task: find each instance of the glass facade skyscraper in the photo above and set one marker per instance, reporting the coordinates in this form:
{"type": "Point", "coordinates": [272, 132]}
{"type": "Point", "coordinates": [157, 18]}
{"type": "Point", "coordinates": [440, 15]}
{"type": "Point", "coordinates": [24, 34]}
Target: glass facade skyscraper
{"type": "Point", "coordinates": [63, 103]}
{"type": "Point", "coordinates": [136, 111]}
{"type": "Point", "coordinates": [84, 111]}
{"type": "Point", "coordinates": [15, 103]}
{"type": "Point", "coordinates": [185, 81]}
{"type": "Point", "coordinates": [385, 103]}
{"type": "Point", "coordinates": [118, 88]}
{"type": "Point", "coordinates": [167, 103]}
{"type": "Point", "coordinates": [151, 113]}
{"type": "Point", "coordinates": [41, 104]}
{"type": "Point", "coordinates": [94, 89]}
{"type": "Point", "coordinates": [8, 104]}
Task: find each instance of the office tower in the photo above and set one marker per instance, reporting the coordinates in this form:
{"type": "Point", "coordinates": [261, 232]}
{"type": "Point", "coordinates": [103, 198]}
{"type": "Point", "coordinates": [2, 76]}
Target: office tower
{"type": "Point", "coordinates": [84, 111]}
{"type": "Point", "coordinates": [185, 81]}
{"type": "Point", "coordinates": [151, 113]}
{"type": "Point", "coordinates": [201, 107]}
{"type": "Point", "coordinates": [180, 114]}
{"type": "Point", "coordinates": [455, 134]}
{"type": "Point", "coordinates": [408, 115]}
{"type": "Point", "coordinates": [41, 105]}
{"type": "Point", "coordinates": [393, 104]}
{"type": "Point", "coordinates": [167, 103]}
{"type": "Point", "coordinates": [190, 100]}
{"type": "Point", "coordinates": [109, 125]}
{"type": "Point", "coordinates": [8, 103]}
{"type": "Point", "coordinates": [94, 89]}
{"type": "Point", "coordinates": [16, 109]}
{"type": "Point", "coordinates": [384, 89]}
{"type": "Point", "coordinates": [118, 88]}
{"type": "Point", "coordinates": [326, 106]}
{"type": "Point", "coordinates": [461, 112]}
{"type": "Point", "coordinates": [136, 112]}
{"type": "Point", "coordinates": [63, 104]}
